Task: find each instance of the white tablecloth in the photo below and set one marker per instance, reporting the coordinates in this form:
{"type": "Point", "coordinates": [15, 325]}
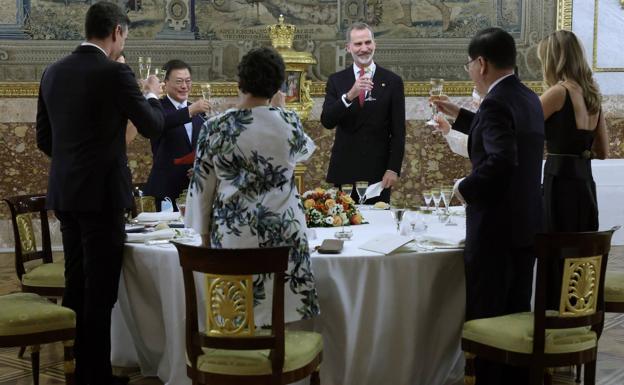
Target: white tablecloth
{"type": "Point", "coordinates": [609, 178]}
{"type": "Point", "coordinates": [393, 319]}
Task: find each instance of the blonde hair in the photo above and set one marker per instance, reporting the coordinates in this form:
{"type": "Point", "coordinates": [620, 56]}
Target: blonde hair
{"type": "Point", "coordinates": [563, 58]}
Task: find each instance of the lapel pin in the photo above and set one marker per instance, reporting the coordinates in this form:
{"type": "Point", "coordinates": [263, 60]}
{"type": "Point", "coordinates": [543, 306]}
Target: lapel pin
{"type": "Point", "coordinates": [383, 84]}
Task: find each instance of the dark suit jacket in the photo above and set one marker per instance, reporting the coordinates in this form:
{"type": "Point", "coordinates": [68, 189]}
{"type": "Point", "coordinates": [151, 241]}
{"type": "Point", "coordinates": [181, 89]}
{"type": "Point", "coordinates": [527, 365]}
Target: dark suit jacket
{"type": "Point", "coordinates": [167, 179]}
{"type": "Point", "coordinates": [85, 101]}
{"type": "Point", "coordinates": [369, 139]}
{"type": "Point", "coordinates": [503, 193]}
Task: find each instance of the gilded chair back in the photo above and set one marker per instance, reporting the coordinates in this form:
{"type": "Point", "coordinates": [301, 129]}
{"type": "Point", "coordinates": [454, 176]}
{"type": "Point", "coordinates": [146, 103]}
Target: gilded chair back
{"type": "Point", "coordinates": [22, 209]}
{"type": "Point", "coordinates": [584, 256]}
{"type": "Point", "coordinates": [26, 233]}
{"type": "Point", "coordinates": [229, 305]}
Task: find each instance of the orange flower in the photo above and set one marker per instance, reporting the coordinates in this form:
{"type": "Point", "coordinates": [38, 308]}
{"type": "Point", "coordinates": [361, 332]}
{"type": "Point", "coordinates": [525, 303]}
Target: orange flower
{"type": "Point", "coordinates": [337, 220]}
{"type": "Point", "coordinates": [330, 203]}
{"type": "Point", "coordinates": [356, 219]}
{"type": "Point", "coordinates": [309, 203]}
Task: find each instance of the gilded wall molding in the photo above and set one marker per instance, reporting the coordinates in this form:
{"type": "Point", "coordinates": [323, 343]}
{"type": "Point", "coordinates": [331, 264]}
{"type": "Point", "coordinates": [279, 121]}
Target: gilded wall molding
{"type": "Point", "coordinates": [564, 14]}
{"type": "Point", "coordinates": [230, 89]}
{"type": "Point", "coordinates": [595, 66]}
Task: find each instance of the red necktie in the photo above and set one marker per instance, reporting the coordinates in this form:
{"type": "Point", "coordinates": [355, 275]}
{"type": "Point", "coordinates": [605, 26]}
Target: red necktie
{"type": "Point", "coordinates": [362, 94]}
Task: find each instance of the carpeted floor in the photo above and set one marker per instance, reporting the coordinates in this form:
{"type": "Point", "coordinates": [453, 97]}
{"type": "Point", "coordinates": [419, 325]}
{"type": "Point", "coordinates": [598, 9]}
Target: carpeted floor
{"type": "Point", "coordinates": [16, 371]}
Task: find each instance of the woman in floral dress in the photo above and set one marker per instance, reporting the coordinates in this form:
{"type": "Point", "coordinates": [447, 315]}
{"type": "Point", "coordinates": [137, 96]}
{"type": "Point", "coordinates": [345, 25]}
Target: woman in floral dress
{"type": "Point", "coordinates": [242, 193]}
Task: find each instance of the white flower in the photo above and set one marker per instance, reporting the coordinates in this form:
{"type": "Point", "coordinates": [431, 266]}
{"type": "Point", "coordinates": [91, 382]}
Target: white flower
{"type": "Point", "coordinates": [308, 193]}
{"type": "Point", "coordinates": [329, 220]}
{"type": "Point", "coordinates": [344, 218]}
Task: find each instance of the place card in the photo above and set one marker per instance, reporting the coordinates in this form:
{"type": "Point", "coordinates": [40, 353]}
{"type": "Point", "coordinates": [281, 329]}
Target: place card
{"type": "Point", "coordinates": [385, 243]}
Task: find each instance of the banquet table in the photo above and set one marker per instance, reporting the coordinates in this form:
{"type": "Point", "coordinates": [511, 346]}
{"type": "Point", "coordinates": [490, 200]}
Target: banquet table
{"type": "Point", "coordinates": [385, 319]}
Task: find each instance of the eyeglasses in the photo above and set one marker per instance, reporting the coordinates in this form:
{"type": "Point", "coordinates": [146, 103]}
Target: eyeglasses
{"type": "Point", "coordinates": [179, 82]}
{"type": "Point", "coordinates": [467, 65]}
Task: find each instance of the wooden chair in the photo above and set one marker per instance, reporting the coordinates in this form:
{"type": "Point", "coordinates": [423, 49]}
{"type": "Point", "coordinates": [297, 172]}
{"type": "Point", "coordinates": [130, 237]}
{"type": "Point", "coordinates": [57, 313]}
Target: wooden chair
{"type": "Point", "coordinates": [28, 319]}
{"type": "Point", "coordinates": [47, 278]}
{"type": "Point", "coordinates": [544, 339]}
{"type": "Point", "coordinates": [231, 351]}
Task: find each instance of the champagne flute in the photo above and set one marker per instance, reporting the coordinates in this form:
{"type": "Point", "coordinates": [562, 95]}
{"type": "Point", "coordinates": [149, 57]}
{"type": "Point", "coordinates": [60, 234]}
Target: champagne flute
{"type": "Point", "coordinates": [447, 196]}
{"type": "Point", "coordinates": [142, 68]}
{"type": "Point", "coordinates": [206, 90]}
{"type": "Point", "coordinates": [148, 66]}
{"type": "Point", "coordinates": [361, 187]}
{"type": "Point", "coordinates": [346, 189]}
{"type": "Point", "coordinates": [435, 92]}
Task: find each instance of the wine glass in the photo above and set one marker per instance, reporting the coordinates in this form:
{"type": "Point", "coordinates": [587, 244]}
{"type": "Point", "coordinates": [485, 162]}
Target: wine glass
{"type": "Point", "coordinates": [447, 197]}
{"type": "Point", "coordinates": [361, 187]}
{"type": "Point", "coordinates": [435, 92]}
{"type": "Point", "coordinates": [427, 197]}
{"type": "Point", "coordinates": [397, 214]}
{"type": "Point", "coordinates": [160, 74]}
{"type": "Point", "coordinates": [436, 196]}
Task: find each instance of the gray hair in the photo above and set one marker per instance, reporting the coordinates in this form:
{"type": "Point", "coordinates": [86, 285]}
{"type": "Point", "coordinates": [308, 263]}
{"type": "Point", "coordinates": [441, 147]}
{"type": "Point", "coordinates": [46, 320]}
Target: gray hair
{"type": "Point", "coordinates": [358, 25]}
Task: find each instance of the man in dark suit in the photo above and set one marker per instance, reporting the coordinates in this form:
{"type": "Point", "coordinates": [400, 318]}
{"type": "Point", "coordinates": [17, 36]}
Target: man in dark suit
{"type": "Point", "coordinates": [182, 125]}
{"type": "Point", "coordinates": [85, 100]}
{"type": "Point", "coordinates": [502, 192]}
{"type": "Point", "coordinates": [366, 105]}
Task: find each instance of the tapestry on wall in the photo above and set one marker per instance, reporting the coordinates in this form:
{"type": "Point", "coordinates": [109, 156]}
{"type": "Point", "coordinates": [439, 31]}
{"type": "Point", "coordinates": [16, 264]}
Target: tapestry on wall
{"type": "Point", "coordinates": [418, 39]}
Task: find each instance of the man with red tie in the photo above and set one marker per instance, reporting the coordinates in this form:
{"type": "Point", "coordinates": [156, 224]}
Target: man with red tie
{"type": "Point", "coordinates": [182, 124]}
{"type": "Point", "coordinates": [366, 105]}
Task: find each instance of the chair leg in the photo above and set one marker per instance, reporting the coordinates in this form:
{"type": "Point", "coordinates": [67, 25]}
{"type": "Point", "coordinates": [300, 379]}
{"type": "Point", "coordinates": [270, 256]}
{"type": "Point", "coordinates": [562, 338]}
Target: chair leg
{"type": "Point", "coordinates": [590, 373]}
{"type": "Point", "coordinates": [469, 369]}
{"type": "Point", "coordinates": [315, 377]}
{"type": "Point", "coordinates": [34, 363]}
{"type": "Point", "coordinates": [21, 352]}
{"type": "Point", "coordinates": [548, 376]}
{"type": "Point", "coordinates": [578, 373]}
{"type": "Point", "coordinates": [536, 375]}
{"type": "Point", "coordinates": [69, 367]}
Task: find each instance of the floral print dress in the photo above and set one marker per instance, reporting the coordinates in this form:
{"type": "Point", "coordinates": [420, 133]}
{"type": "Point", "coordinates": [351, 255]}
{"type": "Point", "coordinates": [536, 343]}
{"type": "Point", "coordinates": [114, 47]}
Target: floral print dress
{"type": "Point", "coordinates": [243, 194]}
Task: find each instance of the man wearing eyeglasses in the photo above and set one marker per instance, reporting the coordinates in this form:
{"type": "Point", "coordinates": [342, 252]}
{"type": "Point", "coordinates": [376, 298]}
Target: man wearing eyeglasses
{"type": "Point", "coordinates": [182, 125]}
{"type": "Point", "coordinates": [502, 192]}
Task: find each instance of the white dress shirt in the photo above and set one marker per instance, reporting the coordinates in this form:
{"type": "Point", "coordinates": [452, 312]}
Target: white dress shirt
{"type": "Point", "coordinates": [189, 125]}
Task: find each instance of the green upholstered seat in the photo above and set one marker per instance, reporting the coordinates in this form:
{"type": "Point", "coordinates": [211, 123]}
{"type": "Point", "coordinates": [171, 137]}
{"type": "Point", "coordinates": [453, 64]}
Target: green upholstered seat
{"type": "Point", "coordinates": [514, 332]}
{"type": "Point", "coordinates": [27, 313]}
{"type": "Point", "coordinates": [614, 286]}
{"type": "Point", "coordinates": [300, 347]}
{"type": "Point", "coordinates": [46, 275]}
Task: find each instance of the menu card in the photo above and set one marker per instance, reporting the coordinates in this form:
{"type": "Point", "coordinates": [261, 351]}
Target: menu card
{"type": "Point", "coordinates": [385, 243]}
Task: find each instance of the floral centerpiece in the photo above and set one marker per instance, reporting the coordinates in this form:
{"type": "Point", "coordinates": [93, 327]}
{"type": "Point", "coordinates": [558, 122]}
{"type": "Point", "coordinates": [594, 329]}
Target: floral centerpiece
{"type": "Point", "coordinates": [329, 208]}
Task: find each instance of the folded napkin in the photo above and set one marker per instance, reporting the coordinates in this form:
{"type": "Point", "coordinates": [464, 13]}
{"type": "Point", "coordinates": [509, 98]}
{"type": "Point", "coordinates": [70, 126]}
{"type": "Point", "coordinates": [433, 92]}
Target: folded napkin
{"type": "Point", "coordinates": [158, 217]}
{"type": "Point", "coordinates": [373, 190]}
{"type": "Point", "coordinates": [445, 235]}
{"type": "Point", "coordinates": [153, 235]}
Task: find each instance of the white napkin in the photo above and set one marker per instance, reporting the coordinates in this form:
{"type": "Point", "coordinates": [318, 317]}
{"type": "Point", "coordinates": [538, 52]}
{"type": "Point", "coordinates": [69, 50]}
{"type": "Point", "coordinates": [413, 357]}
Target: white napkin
{"type": "Point", "coordinates": [373, 190]}
{"type": "Point", "coordinates": [445, 235]}
{"type": "Point", "coordinates": [158, 217]}
{"type": "Point", "coordinates": [143, 237]}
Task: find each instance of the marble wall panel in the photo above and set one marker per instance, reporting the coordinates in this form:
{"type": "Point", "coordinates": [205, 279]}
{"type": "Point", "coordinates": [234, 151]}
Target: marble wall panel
{"type": "Point", "coordinates": [428, 161]}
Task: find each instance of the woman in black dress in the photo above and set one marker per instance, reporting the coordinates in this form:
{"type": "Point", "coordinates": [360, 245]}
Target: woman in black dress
{"type": "Point", "coordinates": [575, 134]}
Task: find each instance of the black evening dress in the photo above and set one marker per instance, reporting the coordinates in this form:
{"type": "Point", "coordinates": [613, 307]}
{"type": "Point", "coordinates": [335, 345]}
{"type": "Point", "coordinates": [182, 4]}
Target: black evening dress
{"type": "Point", "coordinates": [569, 190]}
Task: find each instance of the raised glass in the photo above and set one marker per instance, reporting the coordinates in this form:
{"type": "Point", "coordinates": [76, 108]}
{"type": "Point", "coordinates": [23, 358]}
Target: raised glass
{"type": "Point", "coordinates": [435, 92]}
